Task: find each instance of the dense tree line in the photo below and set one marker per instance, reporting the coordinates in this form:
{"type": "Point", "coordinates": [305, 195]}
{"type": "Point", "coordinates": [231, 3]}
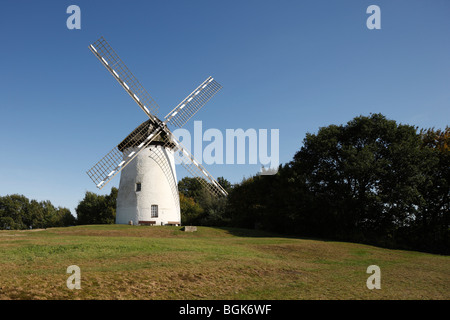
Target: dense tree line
{"type": "Point", "coordinates": [18, 212]}
{"type": "Point", "coordinates": [371, 180]}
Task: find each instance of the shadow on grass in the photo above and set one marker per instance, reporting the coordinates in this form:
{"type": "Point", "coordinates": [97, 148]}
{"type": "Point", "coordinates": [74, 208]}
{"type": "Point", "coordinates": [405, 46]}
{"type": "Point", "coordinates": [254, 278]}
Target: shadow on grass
{"type": "Point", "coordinates": [258, 233]}
{"type": "Point", "coordinates": [255, 233]}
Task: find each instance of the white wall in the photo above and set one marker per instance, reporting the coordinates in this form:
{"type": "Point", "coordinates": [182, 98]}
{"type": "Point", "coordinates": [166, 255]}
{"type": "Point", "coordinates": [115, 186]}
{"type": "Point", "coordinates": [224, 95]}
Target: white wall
{"type": "Point", "coordinates": [156, 188]}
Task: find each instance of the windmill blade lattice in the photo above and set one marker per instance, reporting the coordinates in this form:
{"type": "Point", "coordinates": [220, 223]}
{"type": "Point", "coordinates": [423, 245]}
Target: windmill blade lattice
{"type": "Point", "coordinates": [187, 160]}
{"type": "Point", "coordinates": [123, 75]}
{"type": "Point", "coordinates": [121, 155]}
{"type": "Point", "coordinates": [193, 103]}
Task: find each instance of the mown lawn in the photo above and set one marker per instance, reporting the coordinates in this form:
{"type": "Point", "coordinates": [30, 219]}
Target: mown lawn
{"type": "Point", "coordinates": [129, 262]}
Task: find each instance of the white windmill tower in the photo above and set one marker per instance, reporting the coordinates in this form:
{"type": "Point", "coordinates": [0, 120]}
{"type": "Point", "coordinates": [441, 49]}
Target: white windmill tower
{"type": "Point", "coordinates": [148, 191]}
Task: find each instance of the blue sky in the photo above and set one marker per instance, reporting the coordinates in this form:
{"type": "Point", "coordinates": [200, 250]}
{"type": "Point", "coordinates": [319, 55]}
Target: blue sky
{"type": "Point", "coordinates": [288, 65]}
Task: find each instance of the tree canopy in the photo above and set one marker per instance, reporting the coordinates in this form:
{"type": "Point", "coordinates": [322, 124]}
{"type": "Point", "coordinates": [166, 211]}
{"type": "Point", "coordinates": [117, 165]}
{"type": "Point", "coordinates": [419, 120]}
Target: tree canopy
{"type": "Point", "coordinates": [371, 180]}
{"type": "Point", "coordinates": [198, 206]}
{"type": "Point", "coordinates": [97, 209]}
{"type": "Point", "coordinates": [18, 212]}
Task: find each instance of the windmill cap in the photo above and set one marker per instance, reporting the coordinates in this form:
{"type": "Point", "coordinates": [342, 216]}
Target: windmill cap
{"type": "Point", "coordinates": [140, 134]}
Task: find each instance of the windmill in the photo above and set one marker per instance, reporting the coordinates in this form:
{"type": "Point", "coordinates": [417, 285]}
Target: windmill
{"type": "Point", "coordinates": [148, 190]}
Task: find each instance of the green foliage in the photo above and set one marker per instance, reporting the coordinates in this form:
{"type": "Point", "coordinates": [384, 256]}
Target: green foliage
{"type": "Point", "coordinates": [371, 180]}
{"type": "Point", "coordinates": [198, 206]}
{"type": "Point", "coordinates": [18, 212]}
{"type": "Point", "coordinates": [190, 187]}
{"type": "Point", "coordinates": [97, 209]}
{"type": "Point", "coordinates": [191, 211]}
{"type": "Point", "coordinates": [432, 224]}
{"type": "Point", "coordinates": [225, 184]}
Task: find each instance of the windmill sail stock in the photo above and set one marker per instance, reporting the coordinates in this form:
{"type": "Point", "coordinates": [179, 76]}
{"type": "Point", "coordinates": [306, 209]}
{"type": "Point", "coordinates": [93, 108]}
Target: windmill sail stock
{"type": "Point", "coordinates": [187, 160]}
{"type": "Point", "coordinates": [123, 75]}
{"type": "Point", "coordinates": [187, 108]}
{"type": "Point", "coordinates": [121, 155]}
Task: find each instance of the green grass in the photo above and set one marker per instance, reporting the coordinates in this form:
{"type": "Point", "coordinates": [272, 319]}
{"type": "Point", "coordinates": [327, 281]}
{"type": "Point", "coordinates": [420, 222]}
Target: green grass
{"type": "Point", "coordinates": [129, 262]}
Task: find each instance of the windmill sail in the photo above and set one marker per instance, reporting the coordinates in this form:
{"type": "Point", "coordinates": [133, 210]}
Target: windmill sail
{"type": "Point", "coordinates": [123, 75]}
{"type": "Point", "coordinates": [187, 160]}
{"type": "Point", "coordinates": [193, 103]}
{"type": "Point", "coordinates": [121, 155]}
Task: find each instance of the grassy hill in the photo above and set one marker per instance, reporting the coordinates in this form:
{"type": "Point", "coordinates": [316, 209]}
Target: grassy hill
{"type": "Point", "coordinates": [129, 262]}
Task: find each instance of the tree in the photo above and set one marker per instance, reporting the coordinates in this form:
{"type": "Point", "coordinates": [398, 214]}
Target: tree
{"type": "Point", "coordinates": [265, 202]}
{"type": "Point", "coordinates": [431, 228]}
{"type": "Point", "coordinates": [191, 211]}
{"type": "Point", "coordinates": [191, 187]}
{"type": "Point", "coordinates": [7, 223]}
{"type": "Point", "coordinates": [18, 212]}
{"type": "Point", "coordinates": [370, 180]}
{"type": "Point", "coordinates": [364, 176]}
{"type": "Point", "coordinates": [15, 208]}
{"type": "Point", "coordinates": [213, 209]}
{"type": "Point", "coordinates": [225, 184]}
{"type": "Point", "coordinates": [66, 218]}
{"type": "Point", "coordinates": [97, 209]}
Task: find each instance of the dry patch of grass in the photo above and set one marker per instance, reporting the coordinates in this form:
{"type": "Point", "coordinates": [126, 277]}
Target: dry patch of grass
{"type": "Point", "coordinates": [126, 262]}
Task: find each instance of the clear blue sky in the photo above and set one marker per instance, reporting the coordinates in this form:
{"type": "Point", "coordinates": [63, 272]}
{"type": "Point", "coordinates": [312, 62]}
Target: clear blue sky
{"type": "Point", "coordinates": [288, 65]}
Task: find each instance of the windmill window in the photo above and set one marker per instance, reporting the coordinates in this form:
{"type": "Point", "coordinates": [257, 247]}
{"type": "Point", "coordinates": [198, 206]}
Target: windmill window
{"type": "Point", "coordinates": [138, 186]}
{"type": "Point", "coordinates": [154, 211]}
